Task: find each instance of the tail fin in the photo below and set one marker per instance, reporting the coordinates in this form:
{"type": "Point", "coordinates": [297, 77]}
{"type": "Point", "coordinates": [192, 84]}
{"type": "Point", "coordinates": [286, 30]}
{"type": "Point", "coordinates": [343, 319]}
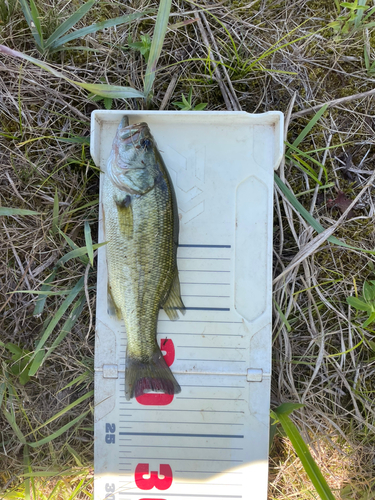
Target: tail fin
{"type": "Point", "coordinates": [153, 375]}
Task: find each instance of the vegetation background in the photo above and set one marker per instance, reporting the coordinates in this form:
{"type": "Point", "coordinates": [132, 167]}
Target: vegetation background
{"type": "Point", "coordinates": [294, 56]}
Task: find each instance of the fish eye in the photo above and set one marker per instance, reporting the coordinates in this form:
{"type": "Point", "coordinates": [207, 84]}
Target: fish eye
{"type": "Point", "coordinates": [146, 143]}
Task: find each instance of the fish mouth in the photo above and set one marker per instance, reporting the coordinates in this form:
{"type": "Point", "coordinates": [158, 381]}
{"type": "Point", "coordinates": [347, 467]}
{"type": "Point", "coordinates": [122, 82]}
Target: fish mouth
{"type": "Point", "coordinates": [133, 134]}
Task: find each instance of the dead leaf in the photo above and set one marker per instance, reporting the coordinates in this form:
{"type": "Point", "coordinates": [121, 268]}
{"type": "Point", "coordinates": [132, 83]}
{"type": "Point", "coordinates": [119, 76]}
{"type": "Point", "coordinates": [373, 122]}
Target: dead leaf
{"type": "Point", "coordinates": [342, 203]}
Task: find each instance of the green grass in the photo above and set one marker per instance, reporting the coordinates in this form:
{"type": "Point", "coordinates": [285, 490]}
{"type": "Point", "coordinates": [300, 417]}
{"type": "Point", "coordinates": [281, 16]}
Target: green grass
{"type": "Point", "coordinates": [58, 39]}
{"type": "Point", "coordinates": [281, 415]}
{"type": "Point", "coordinates": [61, 62]}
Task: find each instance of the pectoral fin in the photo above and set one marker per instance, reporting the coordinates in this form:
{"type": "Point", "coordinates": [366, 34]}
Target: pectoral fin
{"type": "Point", "coordinates": [125, 215]}
{"type": "Point", "coordinates": [173, 300]}
{"type": "Point", "coordinates": [111, 306]}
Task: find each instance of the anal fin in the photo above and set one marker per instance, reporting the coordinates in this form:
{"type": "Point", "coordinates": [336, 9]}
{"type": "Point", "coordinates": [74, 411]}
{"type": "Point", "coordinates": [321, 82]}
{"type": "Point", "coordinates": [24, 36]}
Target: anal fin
{"type": "Point", "coordinates": [173, 301]}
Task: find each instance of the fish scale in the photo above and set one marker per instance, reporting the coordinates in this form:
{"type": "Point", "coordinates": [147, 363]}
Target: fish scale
{"type": "Point", "coordinates": [144, 273]}
{"type": "Point", "coordinates": [141, 254]}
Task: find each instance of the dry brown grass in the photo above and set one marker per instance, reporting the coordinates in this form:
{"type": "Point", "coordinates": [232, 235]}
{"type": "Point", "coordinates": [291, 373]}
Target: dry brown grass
{"type": "Point", "coordinates": [37, 109]}
{"type": "Point", "coordinates": [348, 469]}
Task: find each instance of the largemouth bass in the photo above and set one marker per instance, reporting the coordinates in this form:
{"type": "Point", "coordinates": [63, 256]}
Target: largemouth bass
{"type": "Point", "coordinates": [141, 227]}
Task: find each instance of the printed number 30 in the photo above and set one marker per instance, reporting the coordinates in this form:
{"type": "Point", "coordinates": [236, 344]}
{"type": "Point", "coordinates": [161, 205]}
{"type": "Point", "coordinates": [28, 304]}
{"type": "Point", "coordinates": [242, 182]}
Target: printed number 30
{"type": "Point", "coordinates": [154, 479]}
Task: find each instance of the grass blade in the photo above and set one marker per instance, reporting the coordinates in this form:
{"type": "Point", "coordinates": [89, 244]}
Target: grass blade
{"type": "Point", "coordinates": [72, 245]}
{"type": "Point", "coordinates": [26, 11]}
{"type": "Point", "coordinates": [43, 65]}
{"type": "Point", "coordinates": [75, 140]}
{"type": "Point", "coordinates": [304, 166]}
{"type": "Point", "coordinates": [70, 242]}
{"type": "Point", "coordinates": [77, 489]}
{"type": "Point", "coordinates": [310, 219]}
{"type": "Point", "coordinates": [2, 392]}
{"type": "Point", "coordinates": [366, 57]}
{"type": "Point", "coordinates": [41, 300]}
{"type": "Point", "coordinates": [44, 293]}
{"type": "Point", "coordinates": [185, 23]}
{"type": "Point", "coordinates": [359, 13]}
{"type": "Point", "coordinates": [78, 252]}
{"type": "Point", "coordinates": [53, 40]}
{"type": "Point", "coordinates": [37, 27]}
{"type": "Point", "coordinates": [51, 325]}
{"type": "Point", "coordinates": [359, 304]}
{"type": "Point", "coordinates": [368, 25]}
{"type": "Point", "coordinates": [339, 354]}
{"type": "Point", "coordinates": [58, 433]}
{"type": "Point", "coordinates": [88, 240]}
{"type": "Point", "coordinates": [326, 186]}
{"type": "Point", "coordinates": [75, 455]}
{"type": "Point", "coordinates": [56, 489]}
{"type": "Point", "coordinates": [300, 208]}
{"type": "Point", "coordinates": [98, 26]}
{"type": "Point", "coordinates": [62, 412]}
{"type": "Point", "coordinates": [271, 50]}
{"type": "Point", "coordinates": [70, 140]}
{"type": "Point", "coordinates": [27, 469]}
{"type": "Point", "coordinates": [89, 204]}
{"type": "Point", "coordinates": [308, 157]}
{"type": "Point", "coordinates": [16, 211]}
{"type": "Point", "coordinates": [52, 473]}
{"type": "Point", "coordinates": [55, 217]}
{"type": "Point", "coordinates": [78, 380]}
{"type": "Point", "coordinates": [37, 362]}
{"type": "Point", "coordinates": [287, 408]}
{"type": "Point", "coordinates": [309, 126]}
{"type": "Point", "coordinates": [283, 317]}
{"type": "Point", "coordinates": [367, 16]}
{"type": "Point", "coordinates": [157, 44]}
{"type": "Point", "coordinates": [32, 20]}
{"type": "Point", "coordinates": [112, 91]}
{"type": "Point", "coordinates": [73, 316]}
{"type": "Point", "coordinates": [104, 90]}
{"type": "Point", "coordinates": [303, 452]}
{"type": "Point", "coordinates": [12, 422]}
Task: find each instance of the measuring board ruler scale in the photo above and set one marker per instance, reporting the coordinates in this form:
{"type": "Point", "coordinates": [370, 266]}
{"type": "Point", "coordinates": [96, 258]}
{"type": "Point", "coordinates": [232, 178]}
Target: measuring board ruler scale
{"type": "Point", "coordinates": [211, 440]}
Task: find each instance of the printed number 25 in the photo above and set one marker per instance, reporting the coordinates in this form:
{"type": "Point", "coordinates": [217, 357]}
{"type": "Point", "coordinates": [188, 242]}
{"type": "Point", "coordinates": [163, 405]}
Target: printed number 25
{"type": "Point", "coordinates": [154, 479]}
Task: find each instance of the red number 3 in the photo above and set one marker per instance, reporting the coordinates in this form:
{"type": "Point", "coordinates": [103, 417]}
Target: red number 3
{"type": "Point", "coordinates": [154, 479]}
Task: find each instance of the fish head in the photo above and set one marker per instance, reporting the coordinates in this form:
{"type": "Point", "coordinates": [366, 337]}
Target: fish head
{"type": "Point", "coordinates": [133, 165]}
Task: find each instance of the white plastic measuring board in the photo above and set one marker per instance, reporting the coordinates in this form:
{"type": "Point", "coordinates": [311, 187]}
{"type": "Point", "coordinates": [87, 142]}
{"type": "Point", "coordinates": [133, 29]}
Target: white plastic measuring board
{"type": "Point", "coordinates": [211, 440]}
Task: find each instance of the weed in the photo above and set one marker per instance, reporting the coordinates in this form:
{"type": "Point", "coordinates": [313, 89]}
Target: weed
{"type": "Point", "coordinates": [107, 101]}
{"type": "Point", "coordinates": [21, 362]}
{"type": "Point", "coordinates": [143, 46]}
{"type": "Point", "coordinates": [281, 415]}
{"type": "Point", "coordinates": [353, 18]}
{"type": "Point", "coordinates": [366, 302]}
{"type": "Point", "coordinates": [188, 105]}
{"type": "Point", "coordinates": [59, 38]}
